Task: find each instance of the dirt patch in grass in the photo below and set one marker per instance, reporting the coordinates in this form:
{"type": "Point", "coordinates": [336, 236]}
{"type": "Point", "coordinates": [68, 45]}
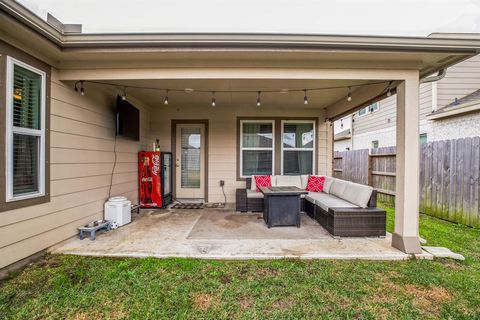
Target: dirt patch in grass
{"type": "Point", "coordinates": [246, 302]}
{"type": "Point", "coordinates": [284, 303]}
{"type": "Point", "coordinates": [225, 279]}
{"type": "Point", "coordinates": [428, 299]}
{"type": "Point", "coordinates": [266, 272]}
{"type": "Point", "coordinates": [203, 301]}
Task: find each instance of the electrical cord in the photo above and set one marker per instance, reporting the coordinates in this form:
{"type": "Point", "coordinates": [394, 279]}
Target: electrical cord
{"type": "Point", "coordinates": [114, 165]}
{"type": "Point", "coordinates": [224, 197]}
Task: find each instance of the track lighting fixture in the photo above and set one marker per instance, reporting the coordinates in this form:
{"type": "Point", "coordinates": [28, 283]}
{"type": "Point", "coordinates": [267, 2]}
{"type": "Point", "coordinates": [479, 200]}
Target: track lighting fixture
{"type": "Point", "coordinates": [305, 98]}
{"type": "Point", "coordinates": [259, 102]}
{"type": "Point", "coordinates": [213, 99]}
{"type": "Point", "coordinates": [165, 102]}
{"type": "Point", "coordinates": [349, 98]}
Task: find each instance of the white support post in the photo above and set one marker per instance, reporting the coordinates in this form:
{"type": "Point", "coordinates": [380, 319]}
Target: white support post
{"type": "Point", "coordinates": [405, 236]}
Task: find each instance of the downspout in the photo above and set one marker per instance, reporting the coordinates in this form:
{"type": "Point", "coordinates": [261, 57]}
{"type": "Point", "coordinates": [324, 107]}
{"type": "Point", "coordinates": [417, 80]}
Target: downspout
{"type": "Point", "coordinates": [352, 122]}
{"type": "Point", "coordinates": [441, 74]}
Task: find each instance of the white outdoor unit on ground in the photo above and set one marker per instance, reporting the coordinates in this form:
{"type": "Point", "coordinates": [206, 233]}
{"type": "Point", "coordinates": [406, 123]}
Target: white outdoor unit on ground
{"type": "Point", "coordinates": [118, 209]}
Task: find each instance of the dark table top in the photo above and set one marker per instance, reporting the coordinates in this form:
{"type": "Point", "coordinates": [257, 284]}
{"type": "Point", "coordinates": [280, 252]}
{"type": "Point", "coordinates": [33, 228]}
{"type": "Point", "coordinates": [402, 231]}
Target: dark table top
{"type": "Point", "coordinates": [282, 191]}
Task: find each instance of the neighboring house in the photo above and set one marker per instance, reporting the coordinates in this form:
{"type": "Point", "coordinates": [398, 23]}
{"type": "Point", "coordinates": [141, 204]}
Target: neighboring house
{"type": "Point", "coordinates": [374, 125]}
{"type": "Point", "coordinates": [233, 105]}
{"type": "Point", "coordinates": [459, 119]}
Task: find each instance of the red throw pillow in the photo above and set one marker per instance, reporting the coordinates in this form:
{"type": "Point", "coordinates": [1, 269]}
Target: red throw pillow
{"type": "Point", "coordinates": [263, 181]}
{"type": "Point", "coordinates": [315, 184]}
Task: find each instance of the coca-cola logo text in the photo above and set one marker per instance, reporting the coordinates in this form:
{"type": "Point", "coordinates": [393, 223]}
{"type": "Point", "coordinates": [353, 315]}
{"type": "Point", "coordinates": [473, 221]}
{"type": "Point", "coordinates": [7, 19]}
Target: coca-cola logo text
{"type": "Point", "coordinates": [156, 164]}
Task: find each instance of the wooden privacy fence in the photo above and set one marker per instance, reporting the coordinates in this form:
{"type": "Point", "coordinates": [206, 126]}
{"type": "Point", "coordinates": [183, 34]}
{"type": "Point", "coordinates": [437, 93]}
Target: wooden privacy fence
{"type": "Point", "coordinates": [449, 176]}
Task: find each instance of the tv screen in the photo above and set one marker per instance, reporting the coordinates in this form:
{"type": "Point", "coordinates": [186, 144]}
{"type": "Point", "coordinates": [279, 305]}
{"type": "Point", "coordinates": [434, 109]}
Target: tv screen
{"type": "Point", "coordinates": [128, 120]}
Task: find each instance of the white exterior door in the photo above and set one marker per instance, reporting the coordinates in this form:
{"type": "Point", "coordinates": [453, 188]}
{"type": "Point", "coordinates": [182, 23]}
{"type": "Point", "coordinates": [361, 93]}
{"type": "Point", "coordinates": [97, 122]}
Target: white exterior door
{"type": "Point", "coordinates": [190, 161]}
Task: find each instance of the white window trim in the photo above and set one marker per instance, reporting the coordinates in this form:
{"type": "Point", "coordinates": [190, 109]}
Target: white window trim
{"type": "Point", "coordinates": [368, 109]}
{"type": "Point", "coordinates": [10, 130]}
{"type": "Point", "coordinates": [257, 149]}
{"type": "Point", "coordinates": [300, 149]}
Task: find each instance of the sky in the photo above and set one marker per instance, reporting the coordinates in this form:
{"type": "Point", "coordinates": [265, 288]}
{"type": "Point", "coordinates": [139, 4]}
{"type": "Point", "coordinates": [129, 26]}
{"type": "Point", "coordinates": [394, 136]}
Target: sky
{"type": "Point", "coordinates": [361, 17]}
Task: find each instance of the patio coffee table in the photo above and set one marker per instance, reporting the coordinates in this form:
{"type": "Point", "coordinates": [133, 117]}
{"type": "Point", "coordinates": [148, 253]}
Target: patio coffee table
{"type": "Point", "coordinates": [281, 206]}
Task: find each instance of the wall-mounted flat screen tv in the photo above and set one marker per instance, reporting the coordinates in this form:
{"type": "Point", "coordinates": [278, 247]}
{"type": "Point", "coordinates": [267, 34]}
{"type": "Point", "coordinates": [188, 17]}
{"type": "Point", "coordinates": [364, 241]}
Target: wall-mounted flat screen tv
{"type": "Point", "coordinates": [128, 120]}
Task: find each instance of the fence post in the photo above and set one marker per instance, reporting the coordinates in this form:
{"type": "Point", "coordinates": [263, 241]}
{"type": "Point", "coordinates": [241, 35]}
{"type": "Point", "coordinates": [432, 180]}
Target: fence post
{"type": "Point", "coordinates": [370, 169]}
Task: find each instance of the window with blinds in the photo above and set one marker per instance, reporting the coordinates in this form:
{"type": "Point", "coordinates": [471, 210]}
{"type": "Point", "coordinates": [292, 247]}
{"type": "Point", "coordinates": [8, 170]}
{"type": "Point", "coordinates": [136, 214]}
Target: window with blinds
{"type": "Point", "coordinates": [298, 141]}
{"type": "Point", "coordinates": [256, 148]}
{"type": "Point", "coordinates": [25, 132]}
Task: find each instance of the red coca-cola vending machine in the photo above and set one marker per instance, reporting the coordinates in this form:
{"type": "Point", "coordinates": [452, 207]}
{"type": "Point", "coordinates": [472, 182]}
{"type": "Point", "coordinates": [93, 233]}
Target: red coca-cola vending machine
{"type": "Point", "coordinates": [154, 169]}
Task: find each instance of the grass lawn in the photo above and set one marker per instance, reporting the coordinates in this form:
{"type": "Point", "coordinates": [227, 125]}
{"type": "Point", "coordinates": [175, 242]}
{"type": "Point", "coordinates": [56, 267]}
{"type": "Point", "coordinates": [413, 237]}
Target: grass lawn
{"type": "Point", "coordinates": [92, 288]}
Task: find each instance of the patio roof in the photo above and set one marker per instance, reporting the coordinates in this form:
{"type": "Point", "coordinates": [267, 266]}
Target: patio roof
{"type": "Point", "coordinates": [68, 50]}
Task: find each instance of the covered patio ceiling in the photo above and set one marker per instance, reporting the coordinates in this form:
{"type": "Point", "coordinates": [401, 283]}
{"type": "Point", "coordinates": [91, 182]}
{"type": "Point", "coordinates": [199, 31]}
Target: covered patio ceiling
{"type": "Point", "coordinates": [278, 93]}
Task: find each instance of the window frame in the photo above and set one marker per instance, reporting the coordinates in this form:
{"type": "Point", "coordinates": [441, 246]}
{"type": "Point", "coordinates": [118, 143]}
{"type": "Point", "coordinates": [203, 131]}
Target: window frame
{"type": "Point", "coordinates": [241, 148]}
{"type": "Point", "coordinates": [11, 130]}
{"type": "Point", "coordinates": [313, 148]}
{"type": "Point", "coordinates": [367, 108]}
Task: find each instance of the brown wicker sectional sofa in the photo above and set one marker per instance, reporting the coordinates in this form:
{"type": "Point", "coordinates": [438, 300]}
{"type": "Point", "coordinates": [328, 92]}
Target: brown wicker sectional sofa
{"type": "Point", "coordinates": [344, 209]}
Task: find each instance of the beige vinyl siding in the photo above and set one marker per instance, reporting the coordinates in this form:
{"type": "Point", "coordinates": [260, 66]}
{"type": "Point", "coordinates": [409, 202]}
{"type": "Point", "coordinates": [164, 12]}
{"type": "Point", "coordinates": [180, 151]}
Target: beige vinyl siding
{"type": "Point", "coordinates": [385, 117]}
{"type": "Point", "coordinates": [222, 157]}
{"type": "Point", "coordinates": [377, 119]}
{"type": "Point", "coordinates": [425, 100]}
{"type": "Point", "coordinates": [82, 142]}
{"type": "Point", "coordinates": [461, 79]}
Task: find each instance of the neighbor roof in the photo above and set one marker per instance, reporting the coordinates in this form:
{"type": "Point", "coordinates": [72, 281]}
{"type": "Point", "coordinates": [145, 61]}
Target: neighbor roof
{"type": "Point", "coordinates": [342, 135]}
{"type": "Point", "coordinates": [467, 104]}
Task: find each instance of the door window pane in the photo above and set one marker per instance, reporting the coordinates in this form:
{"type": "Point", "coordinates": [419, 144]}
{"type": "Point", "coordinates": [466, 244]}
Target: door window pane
{"type": "Point", "coordinates": [297, 162]}
{"type": "Point", "coordinates": [299, 135]}
{"type": "Point", "coordinates": [257, 162]}
{"type": "Point", "coordinates": [257, 135]}
{"type": "Point", "coordinates": [25, 164]}
{"type": "Point", "coordinates": [190, 164]}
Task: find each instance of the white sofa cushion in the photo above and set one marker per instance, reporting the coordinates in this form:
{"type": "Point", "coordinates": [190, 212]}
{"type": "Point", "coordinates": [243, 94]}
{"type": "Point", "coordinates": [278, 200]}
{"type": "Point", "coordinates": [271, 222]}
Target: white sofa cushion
{"type": "Point", "coordinates": [253, 185]}
{"type": "Point", "coordinates": [325, 201]}
{"type": "Point", "coordinates": [254, 194]}
{"type": "Point", "coordinates": [338, 187]}
{"type": "Point", "coordinates": [288, 181]}
{"type": "Point", "coordinates": [358, 194]}
{"type": "Point", "coordinates": [327, 185]}
{"type": "Point", "coordinates": [304, 180]}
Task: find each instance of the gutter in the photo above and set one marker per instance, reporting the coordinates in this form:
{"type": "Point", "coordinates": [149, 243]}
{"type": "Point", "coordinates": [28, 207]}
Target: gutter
{"type": "Point", "coordinates": [467, 46]}
{"type": "Point", "coordinates": [441, 74]}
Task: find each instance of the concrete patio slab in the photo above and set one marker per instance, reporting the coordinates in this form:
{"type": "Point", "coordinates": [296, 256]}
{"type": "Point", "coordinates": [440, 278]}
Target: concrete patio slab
{"type": "Point", "coordinates": [442, 252]}
{"type": "Point", "coordinates": [224, 234]}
